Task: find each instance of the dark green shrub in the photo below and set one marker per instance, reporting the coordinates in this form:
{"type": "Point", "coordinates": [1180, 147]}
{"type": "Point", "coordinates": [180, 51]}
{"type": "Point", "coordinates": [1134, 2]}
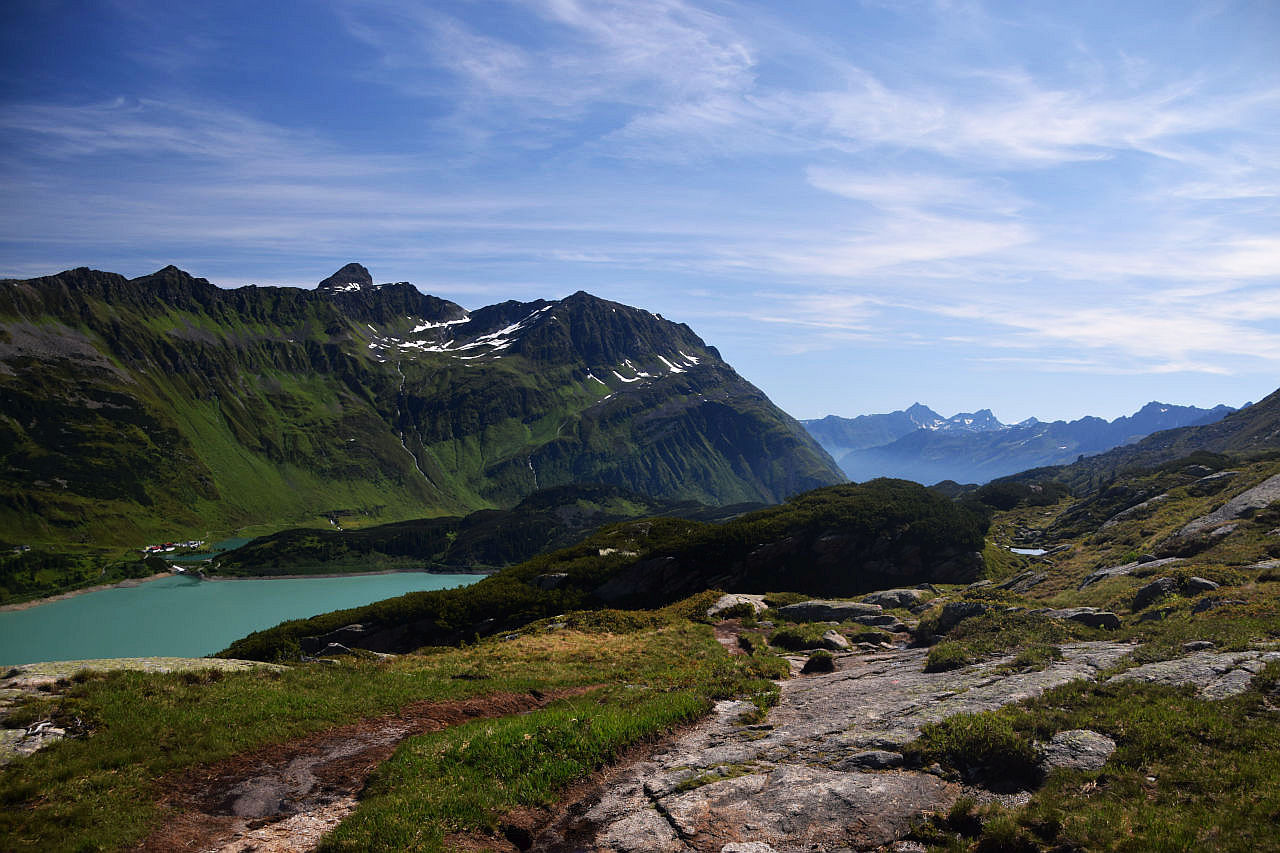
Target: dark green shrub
{"type": "Point", "coordinates": [982, 747]}
{"type": "Point", "coordinates": [947, 656]}
{"type": "Point", "coordinates": [819, 661]}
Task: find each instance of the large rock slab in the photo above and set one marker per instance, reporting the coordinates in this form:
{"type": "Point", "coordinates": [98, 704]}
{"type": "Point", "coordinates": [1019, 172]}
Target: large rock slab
{"type": "Point", "coordinates": [1261, 495]}
{"type": "Point", "coordinates": [1127, 568]}
{"type": "Point", "coordinates": [798, 807]}
{"type": "Point", "coordinates": [732, 600]}
{"type": "Point", "coordinates": [1077, 749]}
{"type": "Point", "coordinates": [1090, 616]}
{"type": "Point", "coordinates": [823, 610]}
{"type": "Point", "coordinates": [894, 598]}
{"type": "Point", "coordinates": [1216, 675]}
{"type": "Point", "coordinates": [823, 770]}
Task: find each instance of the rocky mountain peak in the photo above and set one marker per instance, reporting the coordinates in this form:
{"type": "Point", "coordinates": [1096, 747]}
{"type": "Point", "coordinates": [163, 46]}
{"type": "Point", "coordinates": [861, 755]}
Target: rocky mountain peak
{"type": "Point", "coordinates": [351, 277]}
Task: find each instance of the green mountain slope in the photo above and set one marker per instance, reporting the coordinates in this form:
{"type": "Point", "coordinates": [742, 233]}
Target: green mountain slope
{"type": "Point", "coordinates": [486, 539]}
{"type": "Point", "coordinates": [163, 406]}
{"type": "Point", "coordinates": [838, 540]}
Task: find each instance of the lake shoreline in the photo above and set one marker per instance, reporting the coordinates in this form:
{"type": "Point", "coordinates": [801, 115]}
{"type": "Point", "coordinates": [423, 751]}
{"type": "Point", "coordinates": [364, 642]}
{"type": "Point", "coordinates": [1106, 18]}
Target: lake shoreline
{"type": "Point", "coordinates": [124, 584]}
{"type": "Point", "coordinates": [318, 575]}
{"type": "Point", "coordinates": [132, 582]}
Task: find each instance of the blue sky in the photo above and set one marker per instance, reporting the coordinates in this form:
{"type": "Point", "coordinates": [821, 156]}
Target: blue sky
{"type": "Point", "coordinates": [1045, 208]}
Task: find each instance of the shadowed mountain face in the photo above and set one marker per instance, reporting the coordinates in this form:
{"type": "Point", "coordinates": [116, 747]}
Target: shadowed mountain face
{"type": "Point", "coordinates": [918, 444]}
{"type": "Point", "coordinates": [133, 409]}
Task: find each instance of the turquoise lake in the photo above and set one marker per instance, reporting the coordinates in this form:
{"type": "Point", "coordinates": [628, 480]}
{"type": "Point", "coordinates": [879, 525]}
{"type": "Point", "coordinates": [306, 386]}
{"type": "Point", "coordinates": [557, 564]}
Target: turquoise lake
{"type": "Point", "coordinates": [185, 617]}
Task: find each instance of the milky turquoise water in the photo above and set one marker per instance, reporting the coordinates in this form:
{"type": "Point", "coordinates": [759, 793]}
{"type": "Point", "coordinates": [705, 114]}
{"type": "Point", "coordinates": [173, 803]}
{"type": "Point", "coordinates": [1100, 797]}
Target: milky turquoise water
{"type": "Point", "coordinates": [184, 617]}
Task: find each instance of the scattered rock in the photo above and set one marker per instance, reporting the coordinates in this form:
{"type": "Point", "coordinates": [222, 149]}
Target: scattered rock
{"type": "Point", "coordinates": [732, 600]}
{"type": "Point", "coordinates": [894, 598]}
{"type": "Point", "coordinates": [1198, 645]}
{"type": "Point", "coordinates": [1195, 584]}
{"type": "Point", "coordinates": [1077, 749]}
{"type": "Point", "coordinates": [822, 610]}
{"type": "Point", "coordinates": [1149, 594]}
{"type": "Point", "coordinates": [1090, 616]}
{"type": "Point", "coordinates": [1127, 568]}
{"type": "Point", "coordinates": [908, 847]}
{"type": "Point", "coordinates": [747, 847]}
{"type": "Point", "coordinates": [835, 641]}
{"type": "Point", "coordinates": [552, 580]}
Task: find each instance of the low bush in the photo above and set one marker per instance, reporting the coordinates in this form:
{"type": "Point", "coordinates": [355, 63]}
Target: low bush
{"type": "Point", "coordinates": [947, 656]}
{"type": "Point", "coordinates": [819, 661]}
{"type": "Point", "coordinates": [983, 747]}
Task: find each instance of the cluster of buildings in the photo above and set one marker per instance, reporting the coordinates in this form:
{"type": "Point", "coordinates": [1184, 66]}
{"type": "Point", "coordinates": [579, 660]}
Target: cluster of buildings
{"type": "Point", "coordinates": [190, 544]}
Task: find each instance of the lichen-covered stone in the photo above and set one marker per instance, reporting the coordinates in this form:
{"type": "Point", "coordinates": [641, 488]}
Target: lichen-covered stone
{"type": "Point", "coordinates": [1077, 749]}
{"type": "Point", "coordinates": [822, 610]}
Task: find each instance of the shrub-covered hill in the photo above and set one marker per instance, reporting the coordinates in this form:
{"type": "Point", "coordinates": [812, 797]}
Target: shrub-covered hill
{"type": "Point", "coordinates": [163, 407]}
{"type": "Point", "coordinates": [838, 540]}
{"type": "Point", "coordinates": [547, 520]}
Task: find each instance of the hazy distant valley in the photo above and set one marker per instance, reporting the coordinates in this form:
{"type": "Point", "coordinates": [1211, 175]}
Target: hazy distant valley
{"type": "Point", "coordinates": [919, 444]}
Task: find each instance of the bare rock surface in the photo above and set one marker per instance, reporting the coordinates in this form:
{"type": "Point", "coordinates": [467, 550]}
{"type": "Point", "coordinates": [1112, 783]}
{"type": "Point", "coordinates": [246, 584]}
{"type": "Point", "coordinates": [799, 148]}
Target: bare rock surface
{"type": "Point", "coordinates": [732, 600]}
{"type": "Point", "coordinates": [1091, 616]}
{"type": "Point", "coordinates": [1127, 568]}
{"type": "Point", "coordinates": [822, 610]}
{"type": "Point", "coordinates": [1216, 675]}
{"type": "Point", "coordinates": [1258, 497]}
{"type": "Point", "coordinates": [894, 598]}
{"type": "Point", "coordinates": [1076, 749]}
{"type": "Point", "coordinates": [823, 773]}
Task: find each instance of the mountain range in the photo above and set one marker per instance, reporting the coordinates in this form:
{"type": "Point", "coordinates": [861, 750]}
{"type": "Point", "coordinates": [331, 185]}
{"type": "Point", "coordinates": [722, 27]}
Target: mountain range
{"type": "Point", "coordinates": [132, 409]}
{"type": "Point", "coordinates": [974, 447]}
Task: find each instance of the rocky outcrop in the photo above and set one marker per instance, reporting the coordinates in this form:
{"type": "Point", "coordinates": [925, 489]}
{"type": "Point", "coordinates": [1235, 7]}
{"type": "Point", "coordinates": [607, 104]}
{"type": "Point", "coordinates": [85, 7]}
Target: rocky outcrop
{"type": "Point", "coordinates": [824, 770]}
{"type": "Point", "coordinates": [822, 610]}
{"type": "Point", "coordinates": [1153, 592]}
{"type": "Point", "coordinates": [1090, 616]}
{"type": "Point", "coordinates": [732, 600]}
{"type": "Point", "coordinates": [1127, 568]}
{"type": "Point", "coordinates": [1077, 749]}
{"type": "Point", "coordinates": [1216, 675]}
{"type": "Point", "coordinates": [835, 641]}
{"type": "Point", "coordinates": [1259, 496]}
{"type": "Point", "coordinates": [907, 598]}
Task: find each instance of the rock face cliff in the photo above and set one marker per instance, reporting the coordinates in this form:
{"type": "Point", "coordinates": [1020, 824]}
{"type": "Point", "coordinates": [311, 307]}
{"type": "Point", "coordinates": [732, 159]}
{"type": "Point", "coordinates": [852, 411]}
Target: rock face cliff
{"type": "Point", "coordinates": [132, 408]}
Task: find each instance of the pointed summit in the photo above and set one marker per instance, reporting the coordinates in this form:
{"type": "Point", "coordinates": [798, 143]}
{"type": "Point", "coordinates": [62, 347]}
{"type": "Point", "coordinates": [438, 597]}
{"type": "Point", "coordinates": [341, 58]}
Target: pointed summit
{"type": "Point", "coordinates": [350, 277]}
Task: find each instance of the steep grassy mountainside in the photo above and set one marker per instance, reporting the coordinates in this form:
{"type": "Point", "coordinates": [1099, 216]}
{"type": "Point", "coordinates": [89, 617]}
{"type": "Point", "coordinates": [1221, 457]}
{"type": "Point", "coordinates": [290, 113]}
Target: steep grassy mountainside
{"type": "Point", "coordinates": [975, 448]}
{"type": "Point", "coordinates": [153, 408]}
{"type": "Point", "coordinates": [486, 539]}
{"type": "Point", "coordinates": [833, 541]}
{"type": "Point", "coordinates": [1072, 701]}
